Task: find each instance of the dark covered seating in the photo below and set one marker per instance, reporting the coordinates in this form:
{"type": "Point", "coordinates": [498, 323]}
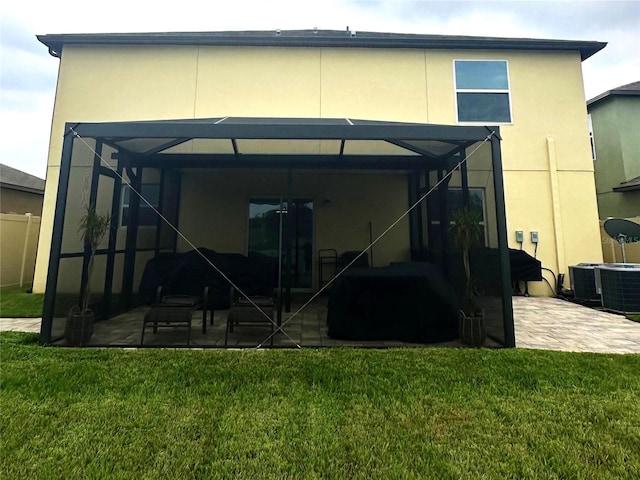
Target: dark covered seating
{"type": "Point", "coordinates": [346, 258]}
{"type": "Point", "coordinates": [188, 273]}
{"type": "Point", "coordinates": [176, 311]}
{"type": "Point", "coordinates": [252, 311]}
{"type": "Point", "coordinates": [409, 302]}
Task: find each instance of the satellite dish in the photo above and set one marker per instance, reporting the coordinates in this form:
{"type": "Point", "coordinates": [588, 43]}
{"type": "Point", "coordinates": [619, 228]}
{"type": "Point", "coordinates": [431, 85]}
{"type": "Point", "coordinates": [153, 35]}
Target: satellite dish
{"type": "Point", "coordinates": [622, 231]}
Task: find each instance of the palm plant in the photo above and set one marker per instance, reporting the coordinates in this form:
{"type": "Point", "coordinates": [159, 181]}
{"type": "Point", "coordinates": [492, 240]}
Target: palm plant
{"type": "Point", "coordinates": [93, 227]}
{"type": "Point", "coordinates": [467, 231]}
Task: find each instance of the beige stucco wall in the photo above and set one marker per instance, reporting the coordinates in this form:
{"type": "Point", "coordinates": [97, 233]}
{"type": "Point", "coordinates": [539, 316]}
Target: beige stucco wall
{"type": "Point", "coordinates": [344, 204]}
{"type": "Point", "coordinates": [548, 170]}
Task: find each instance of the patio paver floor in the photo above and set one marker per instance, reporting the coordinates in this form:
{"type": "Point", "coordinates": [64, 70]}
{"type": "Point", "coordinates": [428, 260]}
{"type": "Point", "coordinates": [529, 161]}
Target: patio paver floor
{"type": "Point", "coordinates": [540, 322]}
{"type": "Point", "coordinates": [554, 324]}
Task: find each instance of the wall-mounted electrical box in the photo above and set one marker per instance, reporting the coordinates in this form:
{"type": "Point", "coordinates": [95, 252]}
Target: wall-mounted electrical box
{"type": "Point", "coordinates": [519, 236]}
{"type": "Point", "coordinates": [534, 237]}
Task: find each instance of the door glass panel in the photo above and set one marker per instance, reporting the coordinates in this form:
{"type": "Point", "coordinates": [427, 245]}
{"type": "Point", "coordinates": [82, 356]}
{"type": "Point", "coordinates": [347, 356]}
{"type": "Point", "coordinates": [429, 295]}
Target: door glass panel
{"type": "Point", "coordinates": [269, 221]}
{"type": "Point", "coordinates": [264, 227]}
{"type": "Point", "coordinates": [302, 243]}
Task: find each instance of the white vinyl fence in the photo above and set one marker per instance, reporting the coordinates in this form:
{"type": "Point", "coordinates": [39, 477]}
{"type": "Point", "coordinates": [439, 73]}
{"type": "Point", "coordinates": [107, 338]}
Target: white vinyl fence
{"type": "Point", "coordinates": [18, 246]}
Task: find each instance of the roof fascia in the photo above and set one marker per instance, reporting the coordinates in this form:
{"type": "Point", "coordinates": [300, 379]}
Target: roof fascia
{"type": "Point", "coordinates": [187, 129]}
{"type": "Point", "coordinates": [20, 188]}
{"type": "Point", "coordinates": [613, 93]}
{"type": "Point", "coordinates": [56, 42]}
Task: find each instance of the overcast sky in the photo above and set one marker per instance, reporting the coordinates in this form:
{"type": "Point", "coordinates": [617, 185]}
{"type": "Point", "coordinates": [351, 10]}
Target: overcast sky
{"type": "Point", "coordinates": [28, 72]}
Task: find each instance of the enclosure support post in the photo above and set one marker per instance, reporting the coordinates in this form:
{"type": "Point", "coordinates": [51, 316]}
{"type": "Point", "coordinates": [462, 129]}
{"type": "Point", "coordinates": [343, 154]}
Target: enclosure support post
{"type": "Point", "coordinates": [415, 217]}
{"type": "Point", "coordinates": [289, 232]}
{"type": "Point", "coordinates": [501, 221]}
{"type": "Point", "coordinates": [430, 214]}
{"type": "Point", "coordinates": [280, 222]}
{"type": "Point", "coordinates": [111, 255]}
{"type": "Point", "coordinates": [56, 238]}
{"type": "Point", "coordinates": [465, 178]}
{"type": "Point", "coordinates": [132, 237]}
{"type": "Point", "coordinates": [444, 223]}
{"type": "Point", "coordinates": [93, 195]}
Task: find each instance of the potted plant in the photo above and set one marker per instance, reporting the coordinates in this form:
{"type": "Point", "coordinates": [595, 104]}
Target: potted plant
{"type": "Point", "coordinates": [467, 231]}
{"type": "Point", "coordinates": [93, 227]}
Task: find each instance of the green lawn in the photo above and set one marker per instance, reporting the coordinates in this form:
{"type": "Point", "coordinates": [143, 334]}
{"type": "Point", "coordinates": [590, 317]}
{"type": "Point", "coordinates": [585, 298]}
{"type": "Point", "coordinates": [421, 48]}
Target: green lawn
{"type": "Point", "coordinates": [334, 413]}
{"type": "Point", "coordinates": [16, 302]}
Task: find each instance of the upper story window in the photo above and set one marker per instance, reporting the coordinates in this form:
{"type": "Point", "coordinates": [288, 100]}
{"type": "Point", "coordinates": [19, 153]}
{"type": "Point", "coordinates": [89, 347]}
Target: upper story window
{"type": "Point", "coordinates": [482, 91]}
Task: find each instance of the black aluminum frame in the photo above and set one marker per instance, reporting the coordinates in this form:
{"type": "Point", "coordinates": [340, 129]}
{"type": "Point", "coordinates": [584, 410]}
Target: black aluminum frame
{"type": "Point", "coordinates": [179, 131]}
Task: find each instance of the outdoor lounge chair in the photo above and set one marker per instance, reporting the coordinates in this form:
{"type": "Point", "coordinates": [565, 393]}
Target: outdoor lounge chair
{"type": "Point", "coordinates": [347, 257]}
{"type": "Point", "coordinates": [176, 311]}
{"type": "Point", "coordinates": [243, 313]}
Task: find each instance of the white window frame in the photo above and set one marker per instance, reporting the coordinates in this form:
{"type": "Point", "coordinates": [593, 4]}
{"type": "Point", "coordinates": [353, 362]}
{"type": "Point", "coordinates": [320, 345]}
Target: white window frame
{"type": "Point", "coordinates": [457, 90]}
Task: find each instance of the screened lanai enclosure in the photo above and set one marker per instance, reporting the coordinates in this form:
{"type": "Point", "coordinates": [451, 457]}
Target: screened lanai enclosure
{"type": "Point", "coordinates": [337, 230]}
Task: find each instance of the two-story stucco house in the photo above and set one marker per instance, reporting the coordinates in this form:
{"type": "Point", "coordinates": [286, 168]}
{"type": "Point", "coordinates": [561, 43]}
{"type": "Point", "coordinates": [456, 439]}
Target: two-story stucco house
{"type": "Point", "coordinates": [615, 118]}
{"type": "Point", "coordinates": [222, 131]}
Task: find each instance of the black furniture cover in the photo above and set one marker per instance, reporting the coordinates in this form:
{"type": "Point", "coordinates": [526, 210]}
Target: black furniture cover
{"type": "Point", "coordinates": [188, 273]}
{"type": "Point", "coordinates": [410, 302]}
{"type": "Point", "coordinates": [485, 269]}
{"type": "Point", "coordinates": [524, 267]}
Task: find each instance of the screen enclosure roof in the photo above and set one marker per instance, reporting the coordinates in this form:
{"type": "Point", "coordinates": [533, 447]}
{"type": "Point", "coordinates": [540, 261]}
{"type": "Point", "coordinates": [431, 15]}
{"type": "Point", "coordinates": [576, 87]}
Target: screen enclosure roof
{"type": "Point", "coordinates": [242, 141]}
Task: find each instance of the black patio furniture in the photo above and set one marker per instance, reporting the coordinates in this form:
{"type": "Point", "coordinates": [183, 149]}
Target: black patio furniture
{"type": "Point", "coordinates": [409, 302]}
{"type": "Point", "coordinates": [361, 261]}
{"type": "Point", "coordinates": [189, 272]}
{"type": "Point", "coordinates": [251, 311]}
{"type": "Point", "coordinates": [327, 265]}
{"type": "Point", "coordinates": [176, 311]}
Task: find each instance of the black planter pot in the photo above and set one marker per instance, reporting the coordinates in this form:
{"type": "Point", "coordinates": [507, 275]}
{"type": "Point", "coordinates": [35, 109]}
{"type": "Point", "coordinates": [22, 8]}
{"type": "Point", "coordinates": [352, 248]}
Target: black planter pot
{"type": "Point", "coordinates": [471, 329]}
{"type": "Point", "coordinates": [79, 327]}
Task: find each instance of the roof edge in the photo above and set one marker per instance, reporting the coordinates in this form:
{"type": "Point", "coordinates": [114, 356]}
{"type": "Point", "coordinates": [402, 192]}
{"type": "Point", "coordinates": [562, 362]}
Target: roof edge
{"type": "Point", "coordinates": [319, 38]}
{"type": "Point", "coordinates": [22, 188]}
{"type": "Point", "coordinates": [629, 186]}
{"type": "Point", "coordinates": [623, 90]}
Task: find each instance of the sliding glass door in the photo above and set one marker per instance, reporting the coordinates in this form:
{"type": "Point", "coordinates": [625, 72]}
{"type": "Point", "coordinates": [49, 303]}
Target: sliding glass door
{"type": "Point", "coordinates": [279, 230]}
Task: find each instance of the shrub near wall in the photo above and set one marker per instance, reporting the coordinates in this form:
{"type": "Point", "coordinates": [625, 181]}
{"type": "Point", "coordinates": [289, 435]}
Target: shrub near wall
{"type": "Point", "coordinates": [18, 245]}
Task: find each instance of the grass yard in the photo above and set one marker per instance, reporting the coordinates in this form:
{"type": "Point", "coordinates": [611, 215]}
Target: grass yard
{"type": "Point", "coordinates": [334, 413]}
{"type": "Point", "coordinates": [15, 302]}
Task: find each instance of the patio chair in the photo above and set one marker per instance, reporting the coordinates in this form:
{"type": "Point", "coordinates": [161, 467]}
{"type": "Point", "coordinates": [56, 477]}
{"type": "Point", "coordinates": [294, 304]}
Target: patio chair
{"type": "Point", "coordinates": [244, 313]}
{"type": "Point", "coordinates": [176, 311]}
{"type": "Point", "coordinates": [347, 257]}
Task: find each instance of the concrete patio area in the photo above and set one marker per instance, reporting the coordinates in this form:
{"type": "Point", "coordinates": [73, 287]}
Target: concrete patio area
{"type": "Point", "coordinates": [540, 322]}
{"type": "Point", "coordinates": [554, 324]}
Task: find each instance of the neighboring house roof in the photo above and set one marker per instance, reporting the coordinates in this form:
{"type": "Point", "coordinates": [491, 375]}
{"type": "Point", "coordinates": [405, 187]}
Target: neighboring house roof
{"type": "Point", "coordinates": [319, 38]}
{"type": "Point", "coordinates": [629, 89]}
{"type": "Point", "coordinates": [633, 184]}
{"type": "Point", "coordinates": [18, 180]}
